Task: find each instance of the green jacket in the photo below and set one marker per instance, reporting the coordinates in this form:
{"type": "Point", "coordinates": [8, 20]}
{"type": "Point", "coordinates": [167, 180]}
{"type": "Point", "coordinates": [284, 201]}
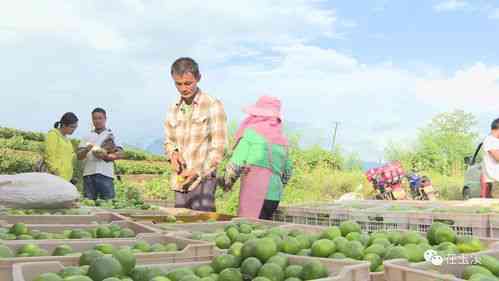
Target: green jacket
{"type": "Point", "coordinates": [253, 150]}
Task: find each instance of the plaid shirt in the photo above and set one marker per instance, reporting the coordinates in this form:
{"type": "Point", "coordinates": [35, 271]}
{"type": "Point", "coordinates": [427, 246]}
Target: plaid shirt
{"type": "Point", "coordinates": [199, 133]}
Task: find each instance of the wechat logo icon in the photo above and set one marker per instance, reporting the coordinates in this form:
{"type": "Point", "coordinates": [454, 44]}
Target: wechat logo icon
{"type": "Point", "coordinates": [433, 257]}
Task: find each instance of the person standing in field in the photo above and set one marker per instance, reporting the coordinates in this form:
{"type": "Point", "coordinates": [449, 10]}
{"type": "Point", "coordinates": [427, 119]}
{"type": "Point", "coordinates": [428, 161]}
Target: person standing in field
{"type": "Point", "coordinates": [260, 158]}
{"type": "Point", "coordinates": [490, 167]}
{"type": "Point", "coordinates": [59, 153]}
{"type": "Point", "coordinates": [195, 139]}
{"type": "Point", "coordinates": [98, 171]}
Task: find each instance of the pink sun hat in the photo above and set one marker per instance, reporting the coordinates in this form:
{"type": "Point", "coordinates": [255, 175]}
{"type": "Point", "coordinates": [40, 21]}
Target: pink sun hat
{"type": "Point", "coordinates": [266, 106]}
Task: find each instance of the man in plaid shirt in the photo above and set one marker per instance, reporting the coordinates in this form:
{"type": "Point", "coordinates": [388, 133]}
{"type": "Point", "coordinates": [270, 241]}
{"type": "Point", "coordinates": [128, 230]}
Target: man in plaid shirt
{"type": "Point", "coordinates": [195, 139]}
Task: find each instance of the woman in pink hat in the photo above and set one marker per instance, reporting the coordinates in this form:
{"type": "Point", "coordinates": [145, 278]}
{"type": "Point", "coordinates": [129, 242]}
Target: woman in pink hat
{"type": "Point", "coordinates": [260, 157]}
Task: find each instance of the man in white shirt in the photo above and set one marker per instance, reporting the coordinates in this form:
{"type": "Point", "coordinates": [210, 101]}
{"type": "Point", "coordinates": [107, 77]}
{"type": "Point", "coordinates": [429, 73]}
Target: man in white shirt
{"type": "Point", "coordinates": [98, 172]}
{"type": "Point", "coordinates": [490, 167]}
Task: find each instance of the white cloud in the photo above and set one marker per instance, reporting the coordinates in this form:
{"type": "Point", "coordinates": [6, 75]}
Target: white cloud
{"type": "Point", "coordinates": [475, 88]}
{"type": "Point", "coordinates": [451, 5]}
{"type": "Point", "coordinates": [116, 54]}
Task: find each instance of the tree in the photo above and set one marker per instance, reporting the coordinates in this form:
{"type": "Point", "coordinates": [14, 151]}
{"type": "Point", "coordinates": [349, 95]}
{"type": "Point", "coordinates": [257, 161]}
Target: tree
{"type": "Point", "coordinates": [441, 145]}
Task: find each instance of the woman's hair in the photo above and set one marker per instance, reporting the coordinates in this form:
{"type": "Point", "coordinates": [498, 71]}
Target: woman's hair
{"type": "Point", "coordinates": [67, 119]}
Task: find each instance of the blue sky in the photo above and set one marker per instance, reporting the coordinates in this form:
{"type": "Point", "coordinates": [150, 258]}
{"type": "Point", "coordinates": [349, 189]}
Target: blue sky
{"type": "Point", "coordinates": [381, 68]}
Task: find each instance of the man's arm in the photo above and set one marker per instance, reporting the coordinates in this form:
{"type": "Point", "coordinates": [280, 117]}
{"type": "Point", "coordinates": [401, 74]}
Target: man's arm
{"type": "Point", "coordinates": [494, 153]}
{"type": "Point", "coordinates": [219, 135]}
{"type": "Point", "coordinates": [117, 155]}
{"type": "Point", "coordinates": [170, 139]}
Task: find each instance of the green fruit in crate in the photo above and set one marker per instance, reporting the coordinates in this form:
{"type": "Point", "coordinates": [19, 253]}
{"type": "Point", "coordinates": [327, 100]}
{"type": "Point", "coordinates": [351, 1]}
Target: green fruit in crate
{"type": "Point", "coordinates": [292, 279]}
{"type": "Point", "coordinates": [230, 274]}
{"type": "Point", "coordinates": [62, 250]}
{"type": "Point", "coordinates": [382, 241]}
{"type": "Point", "coordinates": [364, 239]}
{"type": "Point", "coordinates": [414, 252]}
{"type": "Point", "coordinates": [190, 278]}
{"type": "Point", "coordinates": [112, 279]}
{"type": "Point", "coordinates": [219, 263]}
{"type": "Point", "coordinates": [79, 278]}
{"type": "Point", "coordinates": [126, 233]}
{"type": "Point", "coordinates": [260, 278]}
{"type": "Point", "coordinates": [214, 276]}
{"type": "Point", "coordinates": [160, 278]}
{"type": "Point", "coordinates": [482, 277]}
{"type": "Point", "coordinates": [331, 233]}
{"type": "Point", "coordinates": [347, 227]}
{"type": "Point", "coordinates": [375, 261]}
{"type": "Point", "coordinates": [323, 248]}
{"type": "Point", "coordinates": [5, 252]}
{"type": "Point", "coordinates": [304, 241]}
{"type": "Point", "coordinates": [305, 253]}
{"type": "Point", "coordinates": [142, 246]}
{"type": "Point", "coordinates": [152, 272]}
{"type": "Point", "coordinates": [114, 227]}
{"type": "Point", "coordinates": [171, 247]}
{"type": "Point", "coordinates": [277, 240]}
{"type": "Point", "coordinates": [265, 249]}
{"type": "Point", "coordinates": [248, 249]}
{"type": "Point", "coordinates": [45, 236]}
{"type": "Point", "coordinates": [84, 269]}
{"type": "Point", "coordinates": [490, 263]}
{"type": "Point", "coordinates": [431, 235]}
{"type": "Point", "coordinates": [71, 271]}
{"type": "Point", "coordinates": [158, 248]}
{"type": "Point", "coordinates": [293, 271]}
{"type": "Point", "coordinates": [104, 267]}
{"type": "Point", "coordinates": [243, 237]}
{"type": "Point", "coordinates": [381, 235]}
{"type": "Point", "coordinates": [223, 241]}
{"type": "Point", "coordinates": [204, 271]}
{"type": "Point", "coordinates": [395, 237]}
{"type": "Point", "coordinates": [380, 268]}
{"type": "Point", "coordinates": [106, 249]}
{"type": "Point", "coordinates": [397, 252]}
{"type": "Point", "coordinates": [25, 237]}
{"type": "Point", "coordinates": [355, 250]}
{"type": "Point", "coordinates": [411, 237]}
{"type": "Point", "coordinates": [127, 260]}
{"type": "Point", "coordinates": [103, 232]}
{"type": "Point", "coordinates": [338, 256]}
{"type": "Point", "coordinates": [177, 274]}
{"type": "Point", "coordinates": [245, 228]}
{"type": "Point", "coordinates": [88, 257]}
{"type": "Point", "coordinates": [314, 270]}
{"type": "Point", "coordinates": [448, 247]}
{"type": "Point", "coordinates": [209, 279]}
{"type": "Point", "coordinates": [42, 253]}
{"type": "Point", "coordinates": [279, 259]}
{"type": "Point", "coordinates": [48, 277]}
{"type": "Point", "coordinates": [19, 229]}
{"type": "Point", "coordinates": [231, 225]}
{"type": "Point", "coordinates": [475, 269]}
{"type": "Point", "coordinates": [271, 271]}
{"type": "Point", "coordinates": [29, 249]}
{"type": "Point", "coordinates": [236, 249]}
{"type": "Point", "coordinates": [80, 234]}
{"type": "Point", "coordinates": [250, 267]}
{"type": "Point", "coordinates": [353, 236]}
{"type": "Point", "coordinates": [469, 245]}
{"type": "Point", "coordinates": [341, 244]}
{"type": "Point", "coordinates": [8, 236]}
{"type": "Point", "coordinates": [295, 232]}
{"type": "Point", "coordinates": [377, 249]}
{"type": "Point", "coordinates": [291, 246]}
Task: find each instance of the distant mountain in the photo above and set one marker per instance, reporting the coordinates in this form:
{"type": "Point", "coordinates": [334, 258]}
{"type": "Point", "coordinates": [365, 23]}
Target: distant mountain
{"type": "Point", "coordinates": [156, 147]}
